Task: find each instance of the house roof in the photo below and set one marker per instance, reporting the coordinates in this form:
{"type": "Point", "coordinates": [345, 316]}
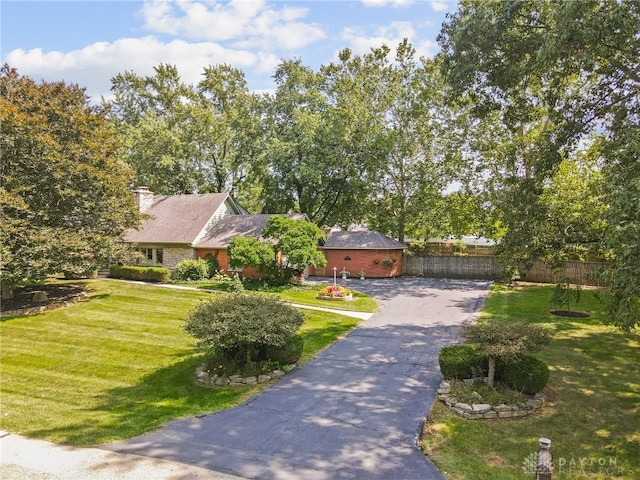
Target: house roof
{"type": "Point", "coordinates": [176, 218]}
{"type": "Point", "coordinates": [361, 240]}
{"type": "Point", "coordinates": [227, 228]}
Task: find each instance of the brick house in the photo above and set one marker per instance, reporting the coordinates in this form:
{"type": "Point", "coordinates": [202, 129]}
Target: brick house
{"type": "Point", "coordinates": [190, 226]}
{"type": "Point", "coordinates": [371, 252]}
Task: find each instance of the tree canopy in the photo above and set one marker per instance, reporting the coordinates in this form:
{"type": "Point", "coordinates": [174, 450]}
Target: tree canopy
{"type": "Point", "coordinates": [64, 194]}
{"type": "Point", "coordinates": [555, 77]}
{"type": "Point", "coordinates": [287, 247]}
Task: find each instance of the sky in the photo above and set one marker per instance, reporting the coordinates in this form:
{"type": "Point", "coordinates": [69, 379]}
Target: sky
{"type": "Point", "coordinates": [88, 42]}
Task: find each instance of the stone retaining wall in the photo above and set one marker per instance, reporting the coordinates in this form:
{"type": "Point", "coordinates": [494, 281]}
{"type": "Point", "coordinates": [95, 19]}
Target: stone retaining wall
{"type": "Point", "coordinates": [44, 308]}
{"type": "Point", "coordinates": [481, 411]}
{"type": "Point", "coordinates": [207, 378]}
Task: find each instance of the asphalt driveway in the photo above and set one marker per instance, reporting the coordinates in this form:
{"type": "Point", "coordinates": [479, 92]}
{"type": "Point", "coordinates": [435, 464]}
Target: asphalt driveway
{"type": "Point", "coordinates": [353, 412]}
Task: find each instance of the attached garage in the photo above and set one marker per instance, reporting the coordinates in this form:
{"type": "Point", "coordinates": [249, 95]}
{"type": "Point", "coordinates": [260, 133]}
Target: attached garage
{"type": "Point", "coordinates": [370, 252]}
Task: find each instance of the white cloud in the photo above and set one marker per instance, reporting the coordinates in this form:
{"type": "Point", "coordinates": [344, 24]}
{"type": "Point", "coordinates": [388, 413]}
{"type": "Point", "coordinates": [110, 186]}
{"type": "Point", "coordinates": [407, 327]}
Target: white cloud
{"type": "Point", "coordinates": [95, 65]}
{"type": "Point", "coordinates": [384, 3]}
{"type": "Point", "coordinates": [440, 6]}
{"type": "Point", "coordinates": [245, 22]}
{"type": "Point", "coordinates": [391, 35]}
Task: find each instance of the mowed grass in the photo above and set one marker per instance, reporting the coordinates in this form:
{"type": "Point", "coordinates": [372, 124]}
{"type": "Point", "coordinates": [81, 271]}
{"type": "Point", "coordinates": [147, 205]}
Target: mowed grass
{"type": "Point", "coordinates": [360, 302]}
{"type": "Point", "coordinates": [116, 365]}
{"type": "Point", "coordinates": [593, 411]}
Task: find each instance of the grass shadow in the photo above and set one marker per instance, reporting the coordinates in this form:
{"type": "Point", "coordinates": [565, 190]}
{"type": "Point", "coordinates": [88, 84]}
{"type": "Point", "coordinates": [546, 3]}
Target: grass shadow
{"type": "Point", "coordinates": [166, 394]}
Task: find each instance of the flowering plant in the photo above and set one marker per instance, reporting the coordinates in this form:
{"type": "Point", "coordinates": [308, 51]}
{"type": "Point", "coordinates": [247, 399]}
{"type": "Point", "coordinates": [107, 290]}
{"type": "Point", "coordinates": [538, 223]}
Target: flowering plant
{"type": "Point", "coordinates": [334, 291]}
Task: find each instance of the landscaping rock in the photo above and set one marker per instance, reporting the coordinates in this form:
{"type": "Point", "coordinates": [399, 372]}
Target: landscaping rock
{"type": "Point", "coordinates": [263, 378]}
{"type": "Point", "coordinates": [481, 407]}
{"type": "Point", "coordinates": [477, 411]}
{"type": "Point", "coordinates": [533, 403]}
{"type": "Point", "coordinates": [40, 297]}
{"type": "Point", "coordinates": [277, 374]}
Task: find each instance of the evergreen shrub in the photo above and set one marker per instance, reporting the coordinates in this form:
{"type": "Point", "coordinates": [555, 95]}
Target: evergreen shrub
{"type": "Point", "coordinates": [462, 361]}
{"type": "Point", "coordinates": [523, 373]}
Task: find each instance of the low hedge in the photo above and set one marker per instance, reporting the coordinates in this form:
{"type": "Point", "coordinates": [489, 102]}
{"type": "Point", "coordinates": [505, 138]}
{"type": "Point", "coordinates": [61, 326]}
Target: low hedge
{"type": "Point", "coordinates": [524, 373]}
{"type": "Point", "coordinates": [462, 361]}
{"type": "Point", "coordinates": [146, 274]}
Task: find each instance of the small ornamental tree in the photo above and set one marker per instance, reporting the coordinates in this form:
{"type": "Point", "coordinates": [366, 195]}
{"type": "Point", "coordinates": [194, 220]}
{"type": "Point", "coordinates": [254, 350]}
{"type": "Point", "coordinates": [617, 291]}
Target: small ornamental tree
{"type": "Point", "coordinates": [288, 246]}
{"type": "Point", "coordinates": [564, 292]}
{"type": "Point", "coordinates": [244, 327]}
{"type": "Point", "coordinates": [505, 341]}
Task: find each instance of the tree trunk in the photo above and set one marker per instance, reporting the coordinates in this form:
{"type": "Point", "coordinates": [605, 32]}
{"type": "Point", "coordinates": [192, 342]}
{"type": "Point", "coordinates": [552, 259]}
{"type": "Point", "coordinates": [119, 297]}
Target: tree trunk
{"type": "Point", "coordinates": [7, 291]}
{"type": "Point", "coordinates": [492, 372]}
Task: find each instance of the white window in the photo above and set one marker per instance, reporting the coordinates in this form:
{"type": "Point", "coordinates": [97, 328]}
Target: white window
{"type": "Point", "coordinates": [151, 256]}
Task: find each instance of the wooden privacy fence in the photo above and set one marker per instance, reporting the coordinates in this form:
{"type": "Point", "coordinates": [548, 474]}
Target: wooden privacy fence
{"type": "Point", "coordinates": [584, 272]}
{"type": "Point", "coordinates": [487, 268]}
{"type": "Point", "coordinates": [452, 267]}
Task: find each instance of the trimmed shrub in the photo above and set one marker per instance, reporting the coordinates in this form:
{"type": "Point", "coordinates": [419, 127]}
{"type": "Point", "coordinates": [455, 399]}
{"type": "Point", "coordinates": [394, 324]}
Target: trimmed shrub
{"type": "Point", "coordinates": [188, 270]}
{"type": "Point", "coordinates": [243, 326]}
{"type": "Point", "coordinates": [213, 265]}
{"type": "Point", "coordinates": [462, 361]}
{"type": "Point", "coordinates": [524, 373]}
{"type": "Point", "coordinates": [147, 274]}
{"type": "Point", "coordinates": [288, 353]}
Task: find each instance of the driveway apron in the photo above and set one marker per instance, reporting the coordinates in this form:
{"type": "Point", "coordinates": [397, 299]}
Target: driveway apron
{"type": "Point", "coordinates": [353, 412]}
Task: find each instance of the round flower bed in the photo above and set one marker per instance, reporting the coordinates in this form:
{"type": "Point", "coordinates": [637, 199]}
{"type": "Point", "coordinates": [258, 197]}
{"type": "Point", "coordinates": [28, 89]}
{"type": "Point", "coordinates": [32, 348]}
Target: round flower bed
{"type": "Point", "coordinates": [335, 293]}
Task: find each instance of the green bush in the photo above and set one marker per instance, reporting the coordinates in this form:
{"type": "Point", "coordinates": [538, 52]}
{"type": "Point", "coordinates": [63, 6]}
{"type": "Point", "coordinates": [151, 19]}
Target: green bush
{"type": "Point", "coordinates": [147, 274]}
{"type": "Point", "coordinates": [213, 265]}
{"type": "Point", "coordinates": [523, 373]}
{"type": "Point", "coordinates": [462, 361]}
{"type": "Point", "coordinates": [188, 270]}
{"type": "Point", "coordinates": [288, 353]}
{"type": "Point", "coordinates": [243, 326]}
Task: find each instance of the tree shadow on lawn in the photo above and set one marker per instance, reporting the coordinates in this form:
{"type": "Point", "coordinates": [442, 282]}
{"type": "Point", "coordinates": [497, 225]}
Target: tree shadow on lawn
{"type": "Point", "coordinates": [161, 396]}
{"type": "Point", "coordinates": [596, 378]}
{"type": "Point", "coordinates": [164, 395]}
{"type": "Point", "coordinates": [354, 411]}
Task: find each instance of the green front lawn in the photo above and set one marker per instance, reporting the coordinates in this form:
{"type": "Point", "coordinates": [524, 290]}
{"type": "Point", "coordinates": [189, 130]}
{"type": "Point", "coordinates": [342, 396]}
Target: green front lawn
{"type": "Point", "coordinates": [593, 408]}
{"type": "Point", "coordinates": [116, 365]}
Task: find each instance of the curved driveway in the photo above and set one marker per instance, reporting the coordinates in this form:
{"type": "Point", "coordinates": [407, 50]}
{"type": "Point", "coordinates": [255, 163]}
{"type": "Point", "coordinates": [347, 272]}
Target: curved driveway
{"type": "Point", "coordinates": [353, 412]}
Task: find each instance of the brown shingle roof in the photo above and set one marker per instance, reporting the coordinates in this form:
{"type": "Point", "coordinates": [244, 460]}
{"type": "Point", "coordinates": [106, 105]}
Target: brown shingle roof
{"type": "Point", "coordinates": [177, 218]}
{"type": "Point", "coordinates": [236, 225]}
{"type": "Point", "coordinates": [361, 240]}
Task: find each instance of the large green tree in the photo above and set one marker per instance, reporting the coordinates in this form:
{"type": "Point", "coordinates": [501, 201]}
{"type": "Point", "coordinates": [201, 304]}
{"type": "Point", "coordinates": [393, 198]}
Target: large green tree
{"type": "Point", "coordinates": [553, 74]}
{"type": "Point", "coordinates": [182, 138]}
{"type": "Point", "coordinates": [64, 194]}
{"type": "Point", "coordinates": [313, 168]}
{"type": "Point", "coordinates": [397, 101]}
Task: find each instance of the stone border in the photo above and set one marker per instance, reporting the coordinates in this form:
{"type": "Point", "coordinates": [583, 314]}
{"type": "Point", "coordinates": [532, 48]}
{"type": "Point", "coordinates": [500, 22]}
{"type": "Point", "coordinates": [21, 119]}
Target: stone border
{"type": "Point", "coordinates": [44, 308]}
{"type": "Point", "coordinates": [345, 298]}
{"type": "Point", "coordinates": [206, 378]}
{"type": "Point", "coordinates": [482, 411]}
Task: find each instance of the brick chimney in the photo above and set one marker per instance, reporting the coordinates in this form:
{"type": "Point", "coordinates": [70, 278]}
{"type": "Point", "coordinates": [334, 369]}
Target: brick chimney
{"type": "Point", "coordinates": [144, 198]}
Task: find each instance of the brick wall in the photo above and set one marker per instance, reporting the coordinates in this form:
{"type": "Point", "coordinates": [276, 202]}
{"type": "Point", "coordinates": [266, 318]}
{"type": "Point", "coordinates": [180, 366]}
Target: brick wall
{"type": "Point", "coordinates": [223, 260]}
{"type": "Point", "coordinates": [361, 260]}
